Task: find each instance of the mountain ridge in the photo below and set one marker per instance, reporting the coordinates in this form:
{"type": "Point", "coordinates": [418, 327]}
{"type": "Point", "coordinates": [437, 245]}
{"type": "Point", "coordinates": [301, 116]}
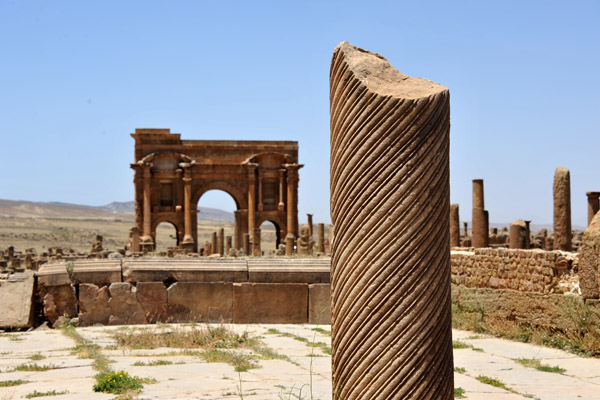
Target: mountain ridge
{"type": "Point", "coordinates": [113, 210]}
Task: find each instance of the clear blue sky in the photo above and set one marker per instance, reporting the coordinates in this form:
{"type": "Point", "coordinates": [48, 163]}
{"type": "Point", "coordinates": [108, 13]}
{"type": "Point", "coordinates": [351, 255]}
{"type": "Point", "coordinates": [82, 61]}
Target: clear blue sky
{"type": "Point", "coordinates": [76, 77]}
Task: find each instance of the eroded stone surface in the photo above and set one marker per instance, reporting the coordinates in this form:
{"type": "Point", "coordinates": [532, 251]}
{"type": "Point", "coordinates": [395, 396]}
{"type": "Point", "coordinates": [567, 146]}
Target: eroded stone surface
{"type": "Point", "coordinates": [16, 299]}
{"type": "Point", "coordinates": [93, 304]}
{"type": "Point", "coordinates": [124, 306]}
{"type": "Point", "coordinates": [200, 302]}
{"type": "Point", "coordinates": [59, 301]}
{"type": "Point", "coordinates": [589, 260]}
{"type": "Point", "coordinates": [152, 296]}
{"type": "Point", "coordinates": [281, 303]}
{"type": "Point", "coordinates": [562, 209]}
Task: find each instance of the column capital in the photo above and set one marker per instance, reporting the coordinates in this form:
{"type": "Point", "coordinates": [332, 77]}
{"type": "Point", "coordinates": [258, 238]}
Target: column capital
{"type": "Point", "coordinates": [593, 195]}
{"type": "Point", "coordinates": [292, 172]}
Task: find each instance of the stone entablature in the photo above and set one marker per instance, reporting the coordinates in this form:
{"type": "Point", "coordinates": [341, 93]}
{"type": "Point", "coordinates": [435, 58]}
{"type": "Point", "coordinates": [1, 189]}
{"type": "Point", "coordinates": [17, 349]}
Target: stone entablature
{"type": "Point", "coordinates": [172, 174]}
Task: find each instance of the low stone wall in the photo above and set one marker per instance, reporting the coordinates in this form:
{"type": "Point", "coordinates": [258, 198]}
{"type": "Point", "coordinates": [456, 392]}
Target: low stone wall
{"type": "Point", "coordinates": [534, 271]}
{"type": "Point", "coordinates": [267, 290]}
{"type": "Point", "coordinates": [150, 290]}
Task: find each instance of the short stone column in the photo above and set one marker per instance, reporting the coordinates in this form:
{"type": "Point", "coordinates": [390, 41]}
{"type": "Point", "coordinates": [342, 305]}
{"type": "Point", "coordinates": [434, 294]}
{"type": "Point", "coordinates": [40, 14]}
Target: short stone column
{"type": "Point", "coordinates": [214, 244]}
{"type": "Point", "coordinates": [256, 251]}
{"type": "Point", "coordinates": [228, 241]}
{"type": "Point", "coordinates": [321, 238]}
{"type": "Point", "coordinates": [135, 240]}
{"type": "Point", "coordinates": [480, 220]}
{"type": "Point", "coordinates": [562, 209]}
{"type": "Point", "coordinates": [207, 248]}
{"type": "Point", "coordinates": [390, 202]}
{"type": "Point", "coordinates": [593, 204]}
{"type": "Point", "coordinates": [527, 234]}
{"type": "Point", "coordinates": [221, 242]}
{"type": "Point", "coordinates": [246, 244]}
{"type": "Point", "coordinates": [516, 239]}
{"type": "Point", "coordinates": [310, 224]}
{"type": "Point", "coordinates": [454, 226]}
{"type": "Point", "coordinates": [466, 226]}
{"type": "Point", "coordinates": [289, 244]}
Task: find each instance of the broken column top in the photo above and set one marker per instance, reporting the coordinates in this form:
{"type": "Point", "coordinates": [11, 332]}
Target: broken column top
{"type": "Point", "coordinates": [381, 77]}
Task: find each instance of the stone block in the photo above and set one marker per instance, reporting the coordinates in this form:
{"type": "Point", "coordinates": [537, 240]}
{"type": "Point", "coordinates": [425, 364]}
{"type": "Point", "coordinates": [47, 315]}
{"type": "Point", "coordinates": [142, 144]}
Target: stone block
{"type": "Point", "coordinates": [152, 296]}
{"type": "Point", "coordinates": [124, 306]}
{"type": "Point", "coordinates": [93, 305]}
{"type": "Point", "coordinates": [200, 302]}
{"type": "Point", "coordinates": [97, 272]}
{"type": "Point", "coordinates": [277, 270]}
{"type": "Point", "coordinates": [319, 304]}
{"type": "Point", "coordinates": [16, 298]}
{"type": "Point", "coordinates": [59, 301]}
{"type": "Point", "coordinates": [275, 303]}
{"type": "Point", "coordinates": [181, 270]}
{"type": "Point", "coordinates": [54, 274]}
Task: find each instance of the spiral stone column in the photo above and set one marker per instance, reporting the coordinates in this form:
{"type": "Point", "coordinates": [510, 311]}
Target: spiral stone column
{"type": "Point", "coordinates": [390, 202]}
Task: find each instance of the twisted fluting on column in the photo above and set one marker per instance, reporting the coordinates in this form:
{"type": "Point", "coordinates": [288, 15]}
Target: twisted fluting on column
{"type": "Point", "coordinates": [390, 203]}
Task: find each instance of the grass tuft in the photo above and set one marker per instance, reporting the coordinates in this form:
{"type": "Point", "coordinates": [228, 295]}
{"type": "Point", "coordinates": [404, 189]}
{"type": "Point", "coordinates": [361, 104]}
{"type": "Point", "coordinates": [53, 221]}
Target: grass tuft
{"type": "Point", "coordinates": [35, 393]}
{"type": "Point", "coordinates": [13, 383]}
{"type": "Point", "coordinates": [535, 363]}
{"type": "Point", "coordinates": [459, 393]}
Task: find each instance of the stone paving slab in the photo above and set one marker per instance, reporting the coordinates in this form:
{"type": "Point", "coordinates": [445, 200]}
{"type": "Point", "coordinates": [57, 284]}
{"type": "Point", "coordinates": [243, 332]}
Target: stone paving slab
{"type": "Point", "coordinates": [190, 377]}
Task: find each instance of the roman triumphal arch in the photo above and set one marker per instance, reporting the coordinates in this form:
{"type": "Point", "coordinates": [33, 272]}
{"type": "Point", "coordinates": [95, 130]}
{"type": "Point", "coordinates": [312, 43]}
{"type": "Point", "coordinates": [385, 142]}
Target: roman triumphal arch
{"type": "Point", "coordinates": [171, 174]}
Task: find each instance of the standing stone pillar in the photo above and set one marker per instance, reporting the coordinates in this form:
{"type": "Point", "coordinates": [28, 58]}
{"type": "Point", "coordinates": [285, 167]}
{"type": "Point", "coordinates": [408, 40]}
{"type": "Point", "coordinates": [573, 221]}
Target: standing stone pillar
{"type": "Point", "coordinates": [562, 209]}
{"type": "Point", "coordinates": [256, 252]}
{"type": "Point", "coordinates": [480, 236]}
{"type": "Point", "coordinates": [214, 246]}
{"type": "Point", "coordinates": [221, 242]}
{"type": "Point", "coordinates": [289, 245]}
{"type": "Point", "coordinates": [390, 202]}
{"type": "Point", "coordinates": [227, 245]}
{"type": "Point", "coordinates": [188, 239]}
{"type": "Point", "coordinates": [321, 238]}
{"type": "Point", "coordinates": [454, 226]}
{"type": "Point", "coordinates": [310, 225]}
{"type": "Point", "coordinates": [466, 226]}
{"type": "Point", "coordinates": [593, 205]}
{"type": "Point", "coordinates": [237, 240]}
{"type": "Point", "coordinates": [246, 244]}
{"type": "Point", "coordinates": [527, 234]}
{"type": "Point", "coordinates": [135, 240]}
{"type": "Point", "coordinates": [516, 239]}
{"type": "Point", "coordinates": [207, 248]}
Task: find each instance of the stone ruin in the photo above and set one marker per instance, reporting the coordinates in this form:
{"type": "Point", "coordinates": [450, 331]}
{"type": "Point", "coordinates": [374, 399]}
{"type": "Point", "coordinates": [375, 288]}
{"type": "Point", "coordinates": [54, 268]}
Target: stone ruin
{"type": "Point", "coordinates": [521, 236]}
{"type": "Point", "coordinates": [172, 174]}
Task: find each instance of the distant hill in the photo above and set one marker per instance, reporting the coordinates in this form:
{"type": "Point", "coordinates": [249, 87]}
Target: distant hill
{"type": "Point", "coordinates": [114, 210]}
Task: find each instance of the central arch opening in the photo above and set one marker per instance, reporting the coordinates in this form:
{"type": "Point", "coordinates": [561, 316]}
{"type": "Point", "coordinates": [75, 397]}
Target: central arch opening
{"type": "Point", "coordinates": [215, 212]}
{"type": "Point", "coordinates": [166, 236]}
{"type": "Point", "coordinates": [269, 237]}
